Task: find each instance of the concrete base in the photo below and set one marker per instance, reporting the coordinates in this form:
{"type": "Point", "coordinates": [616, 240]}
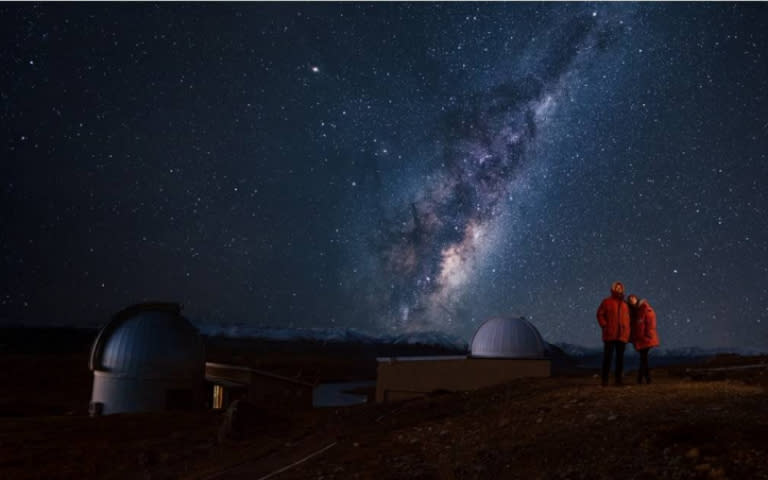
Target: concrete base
{"type": "Point", "coordinates": [401, 378]}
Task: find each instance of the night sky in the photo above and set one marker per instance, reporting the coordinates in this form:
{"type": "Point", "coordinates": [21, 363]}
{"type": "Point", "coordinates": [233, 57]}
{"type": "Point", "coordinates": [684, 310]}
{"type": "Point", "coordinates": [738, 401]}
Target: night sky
{"type": "Point", "coordinates": [387, 167]}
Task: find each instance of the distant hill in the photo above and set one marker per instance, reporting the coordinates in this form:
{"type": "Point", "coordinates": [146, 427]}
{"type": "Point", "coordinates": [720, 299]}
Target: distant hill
{"type": "Point", "coordinates": [345, 342]}
{"type": "Point", "coordinates": [592, 356]}
{"type": "Point", "coordinates": [18, 339]}
{"type": "Point", "coordinates": [57, 339]}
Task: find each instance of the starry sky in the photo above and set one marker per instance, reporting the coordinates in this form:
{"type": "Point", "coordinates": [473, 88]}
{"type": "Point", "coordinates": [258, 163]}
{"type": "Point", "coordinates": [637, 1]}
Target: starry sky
{"type": "Point", "coordinates": [387, 167]}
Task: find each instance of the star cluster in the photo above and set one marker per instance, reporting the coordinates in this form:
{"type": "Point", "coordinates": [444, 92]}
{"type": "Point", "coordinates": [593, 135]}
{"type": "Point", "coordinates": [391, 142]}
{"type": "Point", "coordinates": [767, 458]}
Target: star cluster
{"type": "Point", "coordinates": [387, 167]}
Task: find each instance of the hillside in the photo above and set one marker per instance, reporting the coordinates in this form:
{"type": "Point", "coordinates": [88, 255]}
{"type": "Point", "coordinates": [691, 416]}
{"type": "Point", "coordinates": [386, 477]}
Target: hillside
{"type": "Point", "coordinates": [705, 423]}
{"type": "Point", "coordinates": [563, 428]}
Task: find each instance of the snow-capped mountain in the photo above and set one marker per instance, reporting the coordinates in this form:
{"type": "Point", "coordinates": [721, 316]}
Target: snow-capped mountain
{"type": "Point", "coordinates": [337, 335]}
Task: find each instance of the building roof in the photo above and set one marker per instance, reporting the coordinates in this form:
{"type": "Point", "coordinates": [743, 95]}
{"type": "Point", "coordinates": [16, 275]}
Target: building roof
{"type": "Point", "coordinates": [507, 337]}
{"type": "Point", "coordinates": [420, 358]}
{"type": "Point", "coordinates": [254, 371]}
{"type": "Point", "coordinates": [149, 340]}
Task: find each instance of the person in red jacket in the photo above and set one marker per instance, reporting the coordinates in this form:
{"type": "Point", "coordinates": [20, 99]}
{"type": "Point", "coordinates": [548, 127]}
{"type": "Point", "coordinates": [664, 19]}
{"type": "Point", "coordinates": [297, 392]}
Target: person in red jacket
{"type": "Point", "coordinates": [644, 336]}
{"type": "Point", "coordinates": [613, 317]}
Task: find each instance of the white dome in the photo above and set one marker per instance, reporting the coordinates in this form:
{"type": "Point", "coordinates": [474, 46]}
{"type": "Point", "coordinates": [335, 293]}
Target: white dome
{"type": "Point", "coordinates": [505, 337]}
{"type": "Point", "coordinates": [149, 340]}
{"type": "Point", "coordinates": [148, 358]}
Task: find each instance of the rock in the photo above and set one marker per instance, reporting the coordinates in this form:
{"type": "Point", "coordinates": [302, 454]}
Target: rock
{"type": "Point", "coordinates": [591, 417]}
{"type": "Point", "coordinates": [147, 458]}
{"type": "Point", "coordinates": [692, 453]}
{"type": "Point", "coordinates": [612, 417]}
{"type": "Point", "coordinates": [717, 473]}
{"type": "Point", "coordinates": [702, 467]}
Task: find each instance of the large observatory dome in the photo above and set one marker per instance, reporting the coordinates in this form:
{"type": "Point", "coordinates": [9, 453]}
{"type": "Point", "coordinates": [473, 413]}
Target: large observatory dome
{"type": "Point", "coordinates": [507, 337]}
{"type": "Point", "coordinates": [150, 340]}
{"type": "Point", "coordinates": [148, 357]}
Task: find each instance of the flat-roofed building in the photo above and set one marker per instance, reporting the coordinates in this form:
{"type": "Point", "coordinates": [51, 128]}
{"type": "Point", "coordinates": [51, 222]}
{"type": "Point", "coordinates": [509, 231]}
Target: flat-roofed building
{"type": "Point", "coordinates": [229, 382]}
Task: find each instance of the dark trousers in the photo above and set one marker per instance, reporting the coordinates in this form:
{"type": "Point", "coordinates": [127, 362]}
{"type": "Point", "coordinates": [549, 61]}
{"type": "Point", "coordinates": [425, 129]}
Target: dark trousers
{"type": "Point", "coordinates": [608, 349]}
{"type": "Point", "coordinates": [643, 371]}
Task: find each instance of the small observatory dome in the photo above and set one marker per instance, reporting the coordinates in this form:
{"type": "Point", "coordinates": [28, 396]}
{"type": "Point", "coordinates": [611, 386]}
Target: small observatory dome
{"type": "Point", "coordinates": [507, 337]}
{"type": "Point", "coordinates": [148, 357]}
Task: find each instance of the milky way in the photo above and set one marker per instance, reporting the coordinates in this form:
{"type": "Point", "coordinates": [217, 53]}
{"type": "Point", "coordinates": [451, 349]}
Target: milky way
{"type": "Point", "coordinates": [453, 221]}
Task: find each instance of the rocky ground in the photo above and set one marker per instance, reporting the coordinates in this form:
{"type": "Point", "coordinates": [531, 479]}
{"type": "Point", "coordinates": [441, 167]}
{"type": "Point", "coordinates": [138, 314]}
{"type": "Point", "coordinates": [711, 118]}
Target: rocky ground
{"type": "Point", "coordinates": [563, 428]}
{"type": "Point", "coordinates": [703, 421]}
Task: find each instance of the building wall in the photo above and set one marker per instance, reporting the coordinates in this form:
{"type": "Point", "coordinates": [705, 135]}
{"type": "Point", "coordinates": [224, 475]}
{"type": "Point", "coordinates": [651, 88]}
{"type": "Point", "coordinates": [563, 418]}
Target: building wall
{"type": "Point", "coordinates": [123, 394]}
{"type": "Point", "coordinates": [263, 388]}
{"type": "Point", "coordinates": [401, 378]}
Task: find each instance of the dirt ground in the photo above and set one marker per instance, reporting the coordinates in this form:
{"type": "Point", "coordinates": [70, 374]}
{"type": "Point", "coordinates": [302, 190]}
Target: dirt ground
{"type": "Point", "coordinates": [563, 428]}
{"type": "Point", "coordinates": [687, 424]}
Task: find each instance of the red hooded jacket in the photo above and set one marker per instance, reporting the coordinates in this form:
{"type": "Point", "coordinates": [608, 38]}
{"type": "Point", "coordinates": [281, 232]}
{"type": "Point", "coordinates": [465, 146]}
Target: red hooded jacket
{"type": "Point", "coordinates": [644, 327]}
{"type": "Point", "coordinates": [613, 317]}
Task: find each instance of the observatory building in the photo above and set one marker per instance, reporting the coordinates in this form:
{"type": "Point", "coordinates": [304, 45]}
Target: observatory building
{"type": "Point", "coordinates": [147, 358]}
{"type": "Point", "coordinates": [502, 349]}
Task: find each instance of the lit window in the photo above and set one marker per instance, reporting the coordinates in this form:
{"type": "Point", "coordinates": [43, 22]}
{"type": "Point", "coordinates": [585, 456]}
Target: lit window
{"type": "Point", "coordinates": [218, 397]}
